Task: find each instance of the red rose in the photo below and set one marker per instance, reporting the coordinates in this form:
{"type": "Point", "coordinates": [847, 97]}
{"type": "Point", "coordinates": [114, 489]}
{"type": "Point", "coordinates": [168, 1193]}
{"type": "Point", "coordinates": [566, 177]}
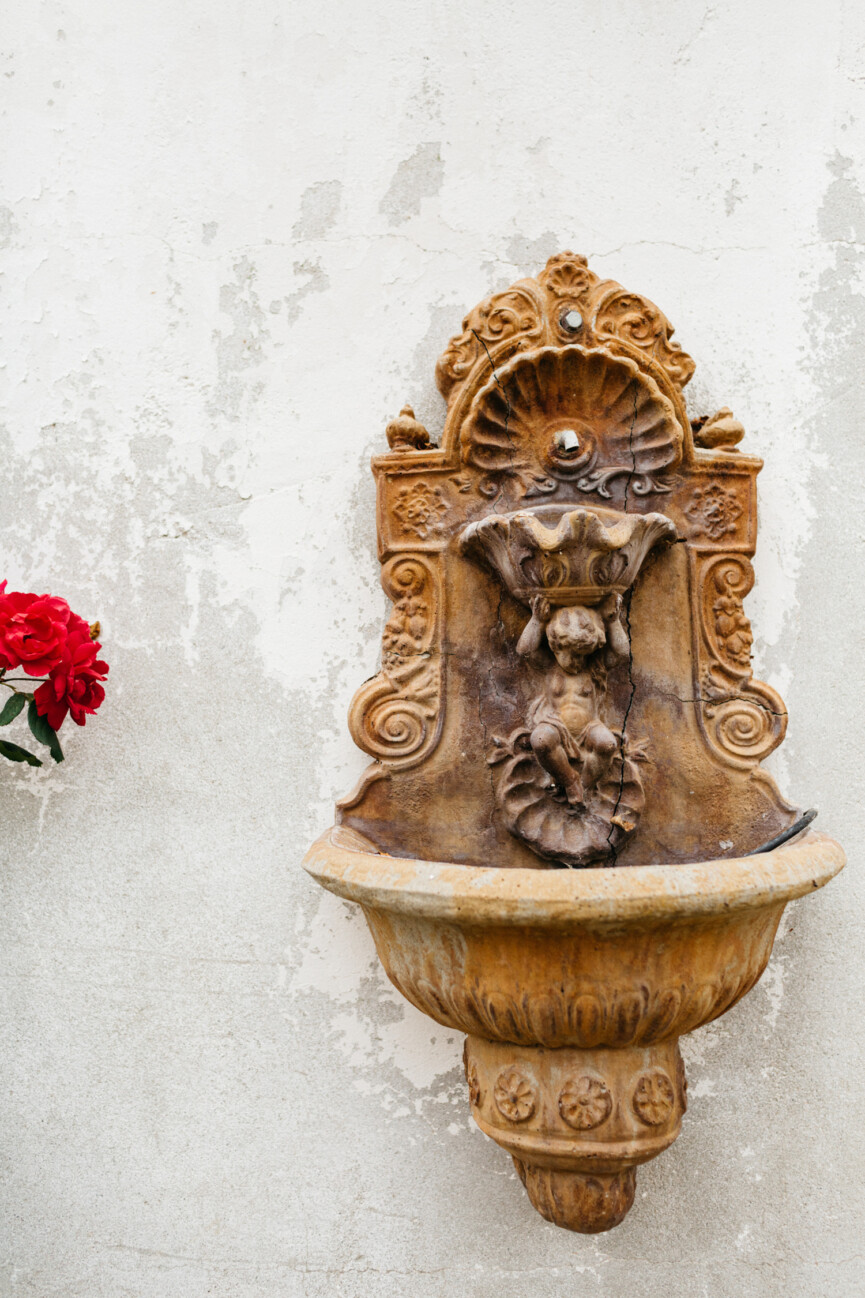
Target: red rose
{"type": "Point", "coordinates": [33, 631]}
{"type": "Point", "coordinates": [74, 683]}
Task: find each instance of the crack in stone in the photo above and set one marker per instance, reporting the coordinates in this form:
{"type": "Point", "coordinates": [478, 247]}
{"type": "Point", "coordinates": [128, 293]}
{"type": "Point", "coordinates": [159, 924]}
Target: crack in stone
{"type": "Point", "coordinates": [504, 393]}
{"type": "Point", "coordinates": [724, 698]}
{"type": "Point", "coordinates": [626, 605]}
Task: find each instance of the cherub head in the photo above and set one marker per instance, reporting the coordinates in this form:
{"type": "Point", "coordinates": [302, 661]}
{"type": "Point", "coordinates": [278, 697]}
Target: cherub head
{"type": "Point", "coordinates": [573, 633]}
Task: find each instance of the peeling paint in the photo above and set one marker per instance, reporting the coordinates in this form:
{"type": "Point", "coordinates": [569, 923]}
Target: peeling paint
{"type": "Point", "coordinates": [416, 178]}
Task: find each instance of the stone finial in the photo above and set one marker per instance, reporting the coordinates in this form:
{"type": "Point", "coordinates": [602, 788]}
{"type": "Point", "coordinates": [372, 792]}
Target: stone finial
{"type": "Point", "coordinates": [405, 433]}
{"type": "Point", "coordinates": [721, 431]}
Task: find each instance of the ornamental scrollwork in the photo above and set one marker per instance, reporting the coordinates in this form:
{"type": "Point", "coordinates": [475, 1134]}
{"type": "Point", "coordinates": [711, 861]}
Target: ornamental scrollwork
{"type": "Point", "coordinates": [515, 313]}
{"type": "Point", "coordinates": [566, 303]}
{"type": "Point", "coordinates": [743, 719]}
{"type": "Point", "coordinates": [396, 717]}
{"type": "Point", "coordinates": [638, 321]}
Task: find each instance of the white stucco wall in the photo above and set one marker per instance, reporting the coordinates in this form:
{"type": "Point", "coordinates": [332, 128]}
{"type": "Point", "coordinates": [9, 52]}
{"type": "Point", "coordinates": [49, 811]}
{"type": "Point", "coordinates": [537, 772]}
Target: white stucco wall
{"type": "Point", "coordinates": [237, 236]}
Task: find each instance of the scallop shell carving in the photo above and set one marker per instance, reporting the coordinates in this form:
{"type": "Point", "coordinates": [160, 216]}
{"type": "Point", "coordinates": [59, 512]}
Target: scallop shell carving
{"type": "Point", "coordinates": [622, 421]}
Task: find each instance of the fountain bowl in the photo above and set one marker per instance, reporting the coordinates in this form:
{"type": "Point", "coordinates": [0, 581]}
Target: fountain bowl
{"type": "Point", "coordinates": [573, 988]}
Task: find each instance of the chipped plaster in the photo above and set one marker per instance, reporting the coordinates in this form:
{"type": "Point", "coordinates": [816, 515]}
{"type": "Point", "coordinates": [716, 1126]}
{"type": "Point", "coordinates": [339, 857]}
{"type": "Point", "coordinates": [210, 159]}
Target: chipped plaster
{"type": "Point", "coordinates": [236, 238]}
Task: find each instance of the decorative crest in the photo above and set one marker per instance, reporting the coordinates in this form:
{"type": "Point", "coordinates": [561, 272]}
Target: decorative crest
{"type": "Point", "coordinates": [566, 303]}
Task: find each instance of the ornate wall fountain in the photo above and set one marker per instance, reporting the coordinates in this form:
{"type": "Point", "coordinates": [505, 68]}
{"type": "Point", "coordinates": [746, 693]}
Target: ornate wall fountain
{"type": "Point", "coordinates": [566, 682]}
{"type": "Point", "coordinates": [565, 425]}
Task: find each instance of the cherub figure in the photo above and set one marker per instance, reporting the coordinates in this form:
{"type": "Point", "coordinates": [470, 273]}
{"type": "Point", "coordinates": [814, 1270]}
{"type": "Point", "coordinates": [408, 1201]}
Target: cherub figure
{"type": "Point", "coordinates": [568, 737]}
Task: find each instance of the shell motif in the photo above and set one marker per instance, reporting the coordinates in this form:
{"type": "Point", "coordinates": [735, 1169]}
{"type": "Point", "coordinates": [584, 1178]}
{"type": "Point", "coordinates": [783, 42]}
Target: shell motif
{"type": "Point", "coordinates": [618, 413]}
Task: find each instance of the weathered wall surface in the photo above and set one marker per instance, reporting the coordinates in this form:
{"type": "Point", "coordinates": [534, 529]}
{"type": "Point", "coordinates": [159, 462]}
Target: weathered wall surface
{"type": "Point", "coordinates": [237, 236]}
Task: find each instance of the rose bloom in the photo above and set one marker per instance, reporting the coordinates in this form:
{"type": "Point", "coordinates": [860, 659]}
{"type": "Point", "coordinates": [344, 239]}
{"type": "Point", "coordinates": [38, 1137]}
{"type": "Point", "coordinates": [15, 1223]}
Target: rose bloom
{"type": "Point", "coordinates": [33, 631]}
{"type": "Point", "coordinates": [74, 686]}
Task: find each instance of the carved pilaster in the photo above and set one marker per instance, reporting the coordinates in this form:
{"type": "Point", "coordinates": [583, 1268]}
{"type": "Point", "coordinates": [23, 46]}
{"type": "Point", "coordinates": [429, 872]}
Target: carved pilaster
{"type": "Point", "coordinates": [743, 719]}
{"type": "Point", "coordinates": [396, 717]}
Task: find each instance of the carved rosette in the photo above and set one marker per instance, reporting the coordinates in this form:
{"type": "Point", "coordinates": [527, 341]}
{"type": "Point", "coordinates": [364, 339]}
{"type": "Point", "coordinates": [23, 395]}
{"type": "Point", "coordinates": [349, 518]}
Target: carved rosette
{"type": "Point", "coordinates": [585, 1102]}
{"type": "Point", "coordinates": [654, 1098]}
{"type": "Point", "coordinates": [714, 511]}
{"type": "Point", "coordinates": [397, 716]}
{"type": "Point", "coordinates": [743, 719]}
{"type": "Point", "coordinates": [577, 1122]}
{"type": "Point", "coordinates": [420, 508]}
{"type": "Point", "coordinates": [514, 1095]}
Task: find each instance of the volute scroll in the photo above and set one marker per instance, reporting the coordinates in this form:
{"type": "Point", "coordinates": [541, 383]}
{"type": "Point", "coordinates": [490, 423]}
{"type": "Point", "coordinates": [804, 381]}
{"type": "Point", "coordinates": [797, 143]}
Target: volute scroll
{"type": "Point", "coordinates": [397, 716]}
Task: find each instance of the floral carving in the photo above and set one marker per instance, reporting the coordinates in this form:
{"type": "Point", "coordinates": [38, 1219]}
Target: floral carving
{"type": "Point", "coordinates": [732, 627]}
{"type": "Point", "coordinates": [584, 1013]}
{"type": "Point", "coordinates": [405, 628]}
{"type": "Point", "coordinates": [420, 508]}
{"type": "Point", "coordinates": [714, 511]}
{"type": "Point", "coordinates": [654, 1098]}
{"type": "Point", "coordinates": [585, 1102]}
{"type": "Point", "coordinates": [516, 1099]}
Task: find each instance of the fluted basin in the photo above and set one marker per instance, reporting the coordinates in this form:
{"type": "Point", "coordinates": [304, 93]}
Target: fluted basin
{"type": "Point", "coordinates": [573, 988]}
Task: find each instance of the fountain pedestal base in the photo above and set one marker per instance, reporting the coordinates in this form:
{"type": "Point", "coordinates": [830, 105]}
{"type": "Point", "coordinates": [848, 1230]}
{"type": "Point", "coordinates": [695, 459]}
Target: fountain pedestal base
{"type": "Point", "coordinates": [578, 1121]}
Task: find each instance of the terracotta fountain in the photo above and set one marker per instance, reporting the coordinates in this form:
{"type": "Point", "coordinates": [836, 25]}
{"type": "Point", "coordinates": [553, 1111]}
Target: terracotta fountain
{"type": "Point", "coordinates": [566, 846]}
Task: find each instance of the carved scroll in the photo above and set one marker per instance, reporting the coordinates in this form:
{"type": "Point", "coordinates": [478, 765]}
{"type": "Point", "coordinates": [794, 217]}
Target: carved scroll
{"type": "Point", "coordinates": [396, 717]}
{"type": "Point", "coordinates": [637, 320]}
{"type": "Point", "coordinates": [516, 312]}
{"type": "Point", "coordinates": [742, 719]}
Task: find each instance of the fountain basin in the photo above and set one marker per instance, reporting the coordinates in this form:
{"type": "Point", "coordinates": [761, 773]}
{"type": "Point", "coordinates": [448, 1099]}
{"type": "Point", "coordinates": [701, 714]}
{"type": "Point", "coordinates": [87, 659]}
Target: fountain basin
{"type": "Point", "coordinates": [573, 987]}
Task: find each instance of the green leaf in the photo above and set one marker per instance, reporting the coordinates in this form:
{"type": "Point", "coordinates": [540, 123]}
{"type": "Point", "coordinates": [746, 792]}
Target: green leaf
{"type": "Point", "coordinates": [14, 705]}
{"type": "Point", "coordinates": [16, 754]}
{"type": "Point", "coordinates": [43, 732]}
